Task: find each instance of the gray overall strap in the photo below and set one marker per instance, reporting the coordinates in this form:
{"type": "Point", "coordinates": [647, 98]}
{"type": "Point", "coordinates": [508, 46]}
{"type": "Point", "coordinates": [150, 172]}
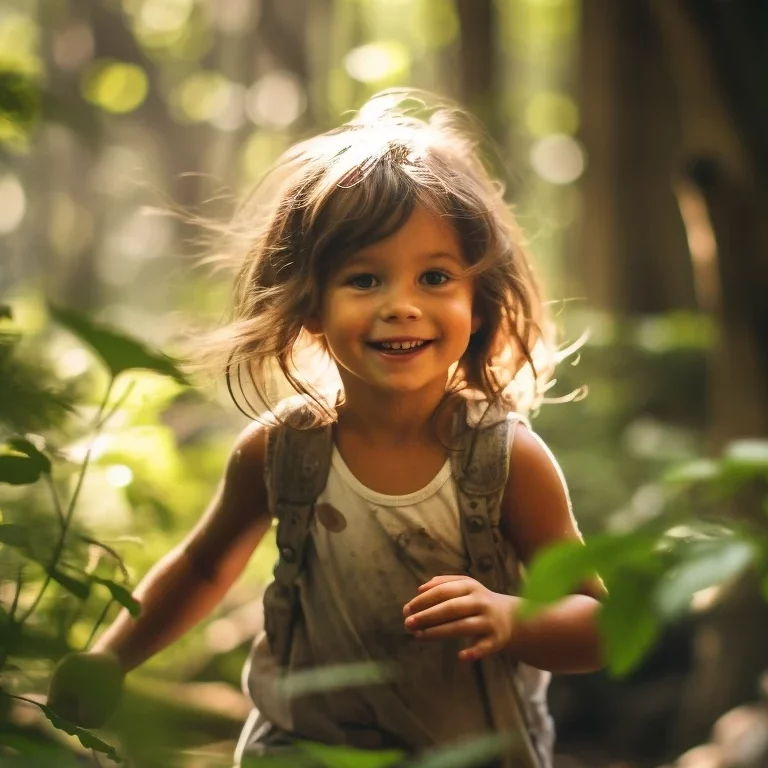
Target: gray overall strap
{"type": "Point", "coordinates": [298, 462]}
{"type": "Point", "coordinates": [480, 468]}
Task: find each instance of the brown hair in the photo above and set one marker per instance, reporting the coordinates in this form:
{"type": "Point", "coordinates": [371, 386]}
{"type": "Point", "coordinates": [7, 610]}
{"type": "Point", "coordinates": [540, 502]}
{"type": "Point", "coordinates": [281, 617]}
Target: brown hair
{"type": "Point", "coordinates": [331, 195]}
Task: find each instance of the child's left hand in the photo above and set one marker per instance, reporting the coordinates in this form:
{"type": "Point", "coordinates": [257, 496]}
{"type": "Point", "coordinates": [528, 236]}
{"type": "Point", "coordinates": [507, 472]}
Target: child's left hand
{"type": "Point", "coordinates": [460, 606]}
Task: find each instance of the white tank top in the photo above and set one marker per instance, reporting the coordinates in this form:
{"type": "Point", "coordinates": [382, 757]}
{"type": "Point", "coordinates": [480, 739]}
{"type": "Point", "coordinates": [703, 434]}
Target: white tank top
{"type": "Point", "coordinates": [366, 555]}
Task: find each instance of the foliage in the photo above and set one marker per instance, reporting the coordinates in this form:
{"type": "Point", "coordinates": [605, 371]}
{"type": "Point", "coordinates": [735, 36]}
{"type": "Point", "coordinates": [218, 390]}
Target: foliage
{"type": "Point", "coordinates": [41, 548]}
{"type": "Point", "coordinates": [654, 571]}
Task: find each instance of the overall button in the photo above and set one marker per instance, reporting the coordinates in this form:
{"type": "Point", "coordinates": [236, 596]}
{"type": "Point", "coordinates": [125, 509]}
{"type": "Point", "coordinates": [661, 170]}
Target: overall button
{"type": "Point", "coordinates": [476, 523]}
{"type": "Point", "coordinates": [485, 563]}
{"type": "Point", "coordinates": [288, 554]}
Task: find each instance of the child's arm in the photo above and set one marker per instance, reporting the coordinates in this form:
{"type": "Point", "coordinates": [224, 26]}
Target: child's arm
{"type": "Point", "coordinates": [535, 513]}
{"type": "Point", "coordinates": [191, 580]}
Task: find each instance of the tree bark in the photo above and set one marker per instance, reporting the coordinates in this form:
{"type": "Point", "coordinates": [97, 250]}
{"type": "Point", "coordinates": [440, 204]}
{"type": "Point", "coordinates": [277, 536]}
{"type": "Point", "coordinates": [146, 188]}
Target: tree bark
{"type": "Point", "coordinates": [722, 167]}
{"type": "Point", "coordinates": [633, 249]}
{"type": "Point", "coordinates": [479, 63]}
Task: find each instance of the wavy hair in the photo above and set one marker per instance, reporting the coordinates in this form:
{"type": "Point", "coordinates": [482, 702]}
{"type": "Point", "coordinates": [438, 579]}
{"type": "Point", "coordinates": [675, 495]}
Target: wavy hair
{"type": "Point", "coordinates": [330, 196]}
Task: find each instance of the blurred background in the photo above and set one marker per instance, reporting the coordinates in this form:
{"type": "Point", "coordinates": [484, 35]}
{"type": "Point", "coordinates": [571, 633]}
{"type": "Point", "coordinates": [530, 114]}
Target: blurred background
{"type": "Point", "coordinates": [633, 139]}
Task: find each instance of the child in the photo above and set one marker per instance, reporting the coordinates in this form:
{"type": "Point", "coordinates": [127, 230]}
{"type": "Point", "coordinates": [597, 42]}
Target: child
{"type": "Point", "coordinates": [388, 248]}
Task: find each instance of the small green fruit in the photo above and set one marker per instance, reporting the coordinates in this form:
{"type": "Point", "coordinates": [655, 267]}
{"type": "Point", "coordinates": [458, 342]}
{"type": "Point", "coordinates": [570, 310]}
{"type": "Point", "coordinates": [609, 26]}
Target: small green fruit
{"type": "Point", "coordinates": [85, 688]}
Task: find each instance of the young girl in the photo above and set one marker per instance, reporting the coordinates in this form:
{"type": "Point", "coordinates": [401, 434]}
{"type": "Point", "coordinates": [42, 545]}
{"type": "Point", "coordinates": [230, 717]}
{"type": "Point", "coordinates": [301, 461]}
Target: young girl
{"type": "Point", "coordinates": [387, 248]}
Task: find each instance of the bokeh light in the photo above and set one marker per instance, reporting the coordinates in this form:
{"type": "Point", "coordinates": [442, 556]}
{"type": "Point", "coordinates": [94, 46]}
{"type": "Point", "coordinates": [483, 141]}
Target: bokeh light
{"type": "Point", "coordinates": [558, 159]}
{"type": "Point", "coordinates": [276, 100]}
{"type": "Point", "coordinates": [377, 62]}
{"type": "Point", "coordinates": [115, 86]}
{"type": "Point", "coordinates": [13, 203]}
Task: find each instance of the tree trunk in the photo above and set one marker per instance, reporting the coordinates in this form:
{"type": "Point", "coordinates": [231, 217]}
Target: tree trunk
{"type": "Point", "coordinates": [724, 194]}
{"type": "Point", "coordinates": [633, 250]}
{"type": "Point", "coordinates": [479, 63]}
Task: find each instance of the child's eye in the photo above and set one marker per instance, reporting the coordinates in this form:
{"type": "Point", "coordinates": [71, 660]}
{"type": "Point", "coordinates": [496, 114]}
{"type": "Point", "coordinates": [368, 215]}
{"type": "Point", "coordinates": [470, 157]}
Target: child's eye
{"type": "Point", "coordinates": [363, 281]}
{"type": "Point", "coordinates": [435, 277]}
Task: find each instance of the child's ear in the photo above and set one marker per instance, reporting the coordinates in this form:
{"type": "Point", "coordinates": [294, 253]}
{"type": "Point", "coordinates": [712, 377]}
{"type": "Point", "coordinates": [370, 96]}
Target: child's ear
{"type": "Point", "coordinates": [477, 321]}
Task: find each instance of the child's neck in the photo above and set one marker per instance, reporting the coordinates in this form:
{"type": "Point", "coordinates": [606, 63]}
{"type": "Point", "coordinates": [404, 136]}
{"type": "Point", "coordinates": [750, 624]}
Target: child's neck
{"type": "Point", "coordinates": [395, 418]}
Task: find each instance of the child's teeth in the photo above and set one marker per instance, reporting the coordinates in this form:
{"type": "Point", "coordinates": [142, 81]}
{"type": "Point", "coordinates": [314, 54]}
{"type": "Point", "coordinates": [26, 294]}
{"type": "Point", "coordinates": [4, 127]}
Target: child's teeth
{"type": "Point", "coordinates": [402, 344]}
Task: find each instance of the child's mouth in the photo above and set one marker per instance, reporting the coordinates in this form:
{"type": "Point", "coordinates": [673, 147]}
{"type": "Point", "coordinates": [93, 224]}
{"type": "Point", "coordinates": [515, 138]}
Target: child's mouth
{"type": "Point", "coordinates": [399, 349]}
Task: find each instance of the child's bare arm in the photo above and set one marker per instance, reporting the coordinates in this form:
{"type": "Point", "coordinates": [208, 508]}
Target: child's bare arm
{"type": "Point", "coordinates": [535, 513]}
{"type": "Point", "coordinates": [190, 581]}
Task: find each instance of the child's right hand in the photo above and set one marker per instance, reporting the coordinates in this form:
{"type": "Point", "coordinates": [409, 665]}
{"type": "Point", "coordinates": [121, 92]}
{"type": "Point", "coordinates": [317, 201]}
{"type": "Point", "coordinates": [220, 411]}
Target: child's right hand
{"type": "Point", "coordinates": [85, 688]}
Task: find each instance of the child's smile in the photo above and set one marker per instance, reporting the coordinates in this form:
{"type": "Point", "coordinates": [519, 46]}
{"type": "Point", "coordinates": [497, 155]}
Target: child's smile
{"type": "Point", "coordinates": [398, 314]}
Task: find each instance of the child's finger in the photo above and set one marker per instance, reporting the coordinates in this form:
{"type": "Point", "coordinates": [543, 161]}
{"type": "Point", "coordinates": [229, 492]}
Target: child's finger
{"type": "Point", "coordinates": [437, 594]}
{"type": "Point", "coordinates": [435, 580]}
{"type": "Point", "coordinates": [446, 611]}
{"type": "Point", "coordinates": [484, 647]}
{"type": "Point", "coordinates": [472, 626]}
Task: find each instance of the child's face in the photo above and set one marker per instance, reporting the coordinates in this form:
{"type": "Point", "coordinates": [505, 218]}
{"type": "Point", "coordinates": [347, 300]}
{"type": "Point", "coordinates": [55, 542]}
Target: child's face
{"type": "Point", "coordinates": [408, 291]}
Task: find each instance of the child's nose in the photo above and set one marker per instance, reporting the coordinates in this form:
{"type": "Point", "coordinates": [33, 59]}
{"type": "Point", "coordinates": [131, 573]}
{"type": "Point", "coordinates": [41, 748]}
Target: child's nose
{"type": "Point", "coordinates": [400, 306]}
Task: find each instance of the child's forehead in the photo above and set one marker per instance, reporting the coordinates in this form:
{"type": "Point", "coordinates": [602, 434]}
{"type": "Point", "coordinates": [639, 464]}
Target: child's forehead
{"type": "Point", "coordinates": [423, 237]}
{"type": "Point", "coordinates": [422, 231]}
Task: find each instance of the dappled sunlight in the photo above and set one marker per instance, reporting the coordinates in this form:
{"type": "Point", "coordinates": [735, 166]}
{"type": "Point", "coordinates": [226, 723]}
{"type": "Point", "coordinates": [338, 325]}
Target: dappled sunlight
{"type": "Point", "coordinates": [130, 132]}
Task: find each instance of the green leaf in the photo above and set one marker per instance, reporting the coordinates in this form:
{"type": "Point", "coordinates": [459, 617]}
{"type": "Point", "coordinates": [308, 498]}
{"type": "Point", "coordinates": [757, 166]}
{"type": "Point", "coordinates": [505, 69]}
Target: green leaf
{"type": "Point", "coordinates": [24, 446]}
{"type": "Point", "coordinates": [705, 565]}
{"type": "Point", "coordinates": [21, 463]}
{"type": "Point", "coordinates": [16, 468]}
{"type": "Point", "coordinates": [86, 738]}
{"type": "Point", "coordinates": [477, 752]}
{"type": "Point", "coordinates": [349, 757]}
{"type": "Point", "coordinates": [119, 352]}
{"type": "Point", "coordinates": [121, 595]}
{"type": "Point", "coordinates": [79, 589]}
{"type": "Point", "coordinates": [336, 676]}
{"type": "Point", "coordinates": [629, 622]}
{"type": "Point", "coordinates": [560, 568]}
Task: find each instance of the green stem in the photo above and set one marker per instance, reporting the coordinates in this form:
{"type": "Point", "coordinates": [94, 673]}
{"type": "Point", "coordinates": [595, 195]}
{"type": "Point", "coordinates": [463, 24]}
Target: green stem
{"type": "Point", "coordinates": [70, 508]}
{"type": "Point", "coordinates": [99, 622]}
{"type": "Point", "coordinates": [55, 498]}
{"type": "Point", "coordinates": [16, 594]}
{"type": "Point", "coordinates": [41, 707]}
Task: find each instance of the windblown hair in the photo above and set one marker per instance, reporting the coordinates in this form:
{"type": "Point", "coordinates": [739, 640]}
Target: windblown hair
{"type": "Point", "coordinates": [332, 195]}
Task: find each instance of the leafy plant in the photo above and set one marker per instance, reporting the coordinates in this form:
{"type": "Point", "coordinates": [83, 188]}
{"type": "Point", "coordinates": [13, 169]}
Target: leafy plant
{"type": "Point", "coordinates": [653, 572]}
{"type": "Point", "coordinates": [65, 556]}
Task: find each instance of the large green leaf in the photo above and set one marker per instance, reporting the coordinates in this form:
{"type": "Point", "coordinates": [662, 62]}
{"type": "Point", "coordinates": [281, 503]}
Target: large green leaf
{"type": "Point", "coordinates": [628, 620]}
{"type": "Point", "coordinates": [349, 757]}
{"type": "Point", "coordinates": [560, 568]}
{"type": "Point", "coordinates": [86, 738]}
{"type": "Point", "coordinates": [476, 752]}
{"type": "Point", "coordinates": [121, 595]}
{"type": "Point", "coordinates": [703, 564]}
{"type": "Point", "coordinates": [336, 676]}
{"type": "Point", "coordinates": [118, 351]}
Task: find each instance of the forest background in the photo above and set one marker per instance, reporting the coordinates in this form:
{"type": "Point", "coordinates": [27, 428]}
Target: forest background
{"type": "Point", "coordinates": [633, 138]}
